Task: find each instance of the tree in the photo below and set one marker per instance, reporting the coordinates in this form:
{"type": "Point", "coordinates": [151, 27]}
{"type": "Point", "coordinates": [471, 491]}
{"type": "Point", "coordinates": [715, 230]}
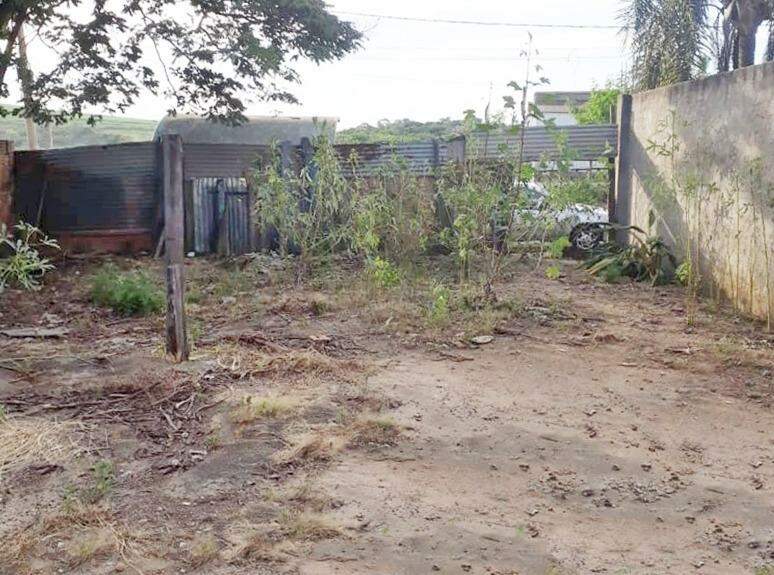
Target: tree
{"type": "Point", "coordinates": [202, 55]}
{"type": "Point", "coordinates": [672, 40]}
{"type": "Point", "coordinates": [667, 39]}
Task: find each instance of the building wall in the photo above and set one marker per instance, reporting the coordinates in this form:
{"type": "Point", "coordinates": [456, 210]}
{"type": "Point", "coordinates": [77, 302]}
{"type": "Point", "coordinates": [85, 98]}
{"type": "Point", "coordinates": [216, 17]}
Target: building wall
{"type": "Point", "coordinates": [696, 167]}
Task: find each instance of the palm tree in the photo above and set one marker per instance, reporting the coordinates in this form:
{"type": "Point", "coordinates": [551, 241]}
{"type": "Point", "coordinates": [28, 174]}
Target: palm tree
{"type": "Point", "coordinates": [672, 40]}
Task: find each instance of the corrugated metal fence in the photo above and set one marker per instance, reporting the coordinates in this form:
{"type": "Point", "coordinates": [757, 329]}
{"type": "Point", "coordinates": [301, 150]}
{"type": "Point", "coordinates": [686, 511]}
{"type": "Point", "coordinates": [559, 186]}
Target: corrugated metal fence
{"type": "Point", "coordinates": [107, 197]}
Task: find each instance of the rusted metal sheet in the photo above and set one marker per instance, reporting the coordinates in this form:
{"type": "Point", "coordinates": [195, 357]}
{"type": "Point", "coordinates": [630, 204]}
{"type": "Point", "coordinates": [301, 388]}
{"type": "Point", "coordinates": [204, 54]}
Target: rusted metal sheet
{"type": "Point", "coordinates": [222, 160]}
{"type": "Point", "coordinates": [87, 189]}
{"type": "Point", "coordinates": [586, 143]}
{"type": "Point", "coordinates": [418, 158]}
{"type": "Point", "coordinates": [221, 216]}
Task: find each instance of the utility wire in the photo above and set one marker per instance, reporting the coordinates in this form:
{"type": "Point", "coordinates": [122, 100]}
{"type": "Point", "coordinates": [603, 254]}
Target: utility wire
{"type": "Point", "coordinates": [477, 22]}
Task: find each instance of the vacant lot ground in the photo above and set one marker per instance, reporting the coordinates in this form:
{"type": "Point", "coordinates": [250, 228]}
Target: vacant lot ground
{"type": "Point", "coordinates": [338, 428]}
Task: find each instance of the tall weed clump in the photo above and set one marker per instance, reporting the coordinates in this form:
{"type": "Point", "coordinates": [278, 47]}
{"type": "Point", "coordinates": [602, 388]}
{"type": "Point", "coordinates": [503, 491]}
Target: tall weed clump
{"type": "Point", "coordinates": [328, 207]}
{"type": "Point", "coordinates": [126, 293]}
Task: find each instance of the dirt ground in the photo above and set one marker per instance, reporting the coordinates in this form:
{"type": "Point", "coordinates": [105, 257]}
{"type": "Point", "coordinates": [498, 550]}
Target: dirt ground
{"type": "Point", "coordinates": [326, 429]}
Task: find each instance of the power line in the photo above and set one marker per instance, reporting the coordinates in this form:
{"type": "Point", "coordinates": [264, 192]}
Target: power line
{"type": "Point", "coordinates": [477, 22]}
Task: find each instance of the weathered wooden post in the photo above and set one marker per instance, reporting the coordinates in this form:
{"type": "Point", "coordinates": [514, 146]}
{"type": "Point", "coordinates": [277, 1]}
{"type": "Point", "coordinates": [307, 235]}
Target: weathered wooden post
{"type": "Point", "coordinates": [6, 183]}
{"type": "Point", "coordinates": [174, 246]}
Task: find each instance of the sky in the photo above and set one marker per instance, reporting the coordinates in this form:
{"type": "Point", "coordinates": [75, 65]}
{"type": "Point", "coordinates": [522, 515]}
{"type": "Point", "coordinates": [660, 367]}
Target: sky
{"type": "Point", "coordinates": [426, 71]}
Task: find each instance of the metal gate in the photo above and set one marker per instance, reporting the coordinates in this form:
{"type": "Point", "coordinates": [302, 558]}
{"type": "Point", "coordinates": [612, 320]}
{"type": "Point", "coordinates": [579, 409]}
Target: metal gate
{"type": "Point", "coordinates": [221, 222]}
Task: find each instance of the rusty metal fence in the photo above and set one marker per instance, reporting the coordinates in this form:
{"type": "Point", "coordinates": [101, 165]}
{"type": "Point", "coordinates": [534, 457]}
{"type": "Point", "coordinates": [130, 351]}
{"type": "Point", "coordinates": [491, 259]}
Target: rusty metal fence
{"type": "Point", "coordinates": [108, 197]}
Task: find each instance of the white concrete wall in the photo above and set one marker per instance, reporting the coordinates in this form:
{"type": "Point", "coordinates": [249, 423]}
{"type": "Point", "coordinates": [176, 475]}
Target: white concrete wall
{"type": "Point", "coordinates": [697, 168]}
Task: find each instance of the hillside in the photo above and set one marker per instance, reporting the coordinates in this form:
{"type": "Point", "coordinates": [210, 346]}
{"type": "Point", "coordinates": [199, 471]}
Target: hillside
{"type": "Point", "coordinates": [400, 131]}
{"type": "Point", "coordinates": [110, 130]}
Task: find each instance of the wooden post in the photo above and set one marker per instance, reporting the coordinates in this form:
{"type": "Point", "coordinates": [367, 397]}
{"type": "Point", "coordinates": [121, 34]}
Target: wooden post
{"type": "Point", "coordinates": [6, 183]}
{"type": "Point", "coordinates": [174, 246]}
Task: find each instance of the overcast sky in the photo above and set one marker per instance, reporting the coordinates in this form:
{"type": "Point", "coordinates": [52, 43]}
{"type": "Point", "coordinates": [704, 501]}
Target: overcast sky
{"type": "Point", "coordinates": [426, 71]}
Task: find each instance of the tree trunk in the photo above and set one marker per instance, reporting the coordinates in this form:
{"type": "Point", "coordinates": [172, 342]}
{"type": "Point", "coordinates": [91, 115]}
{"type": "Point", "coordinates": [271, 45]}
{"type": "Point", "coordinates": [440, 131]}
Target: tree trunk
{"type": "Point", "coordinates": [26, 78]}
{"type": "Point", "coordinates": [8, 16]}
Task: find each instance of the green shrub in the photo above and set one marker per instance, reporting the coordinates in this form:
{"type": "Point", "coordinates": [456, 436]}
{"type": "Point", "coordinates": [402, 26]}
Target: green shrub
{"type": "Point", "coordinates": [440, 308]}
{"type": "Point", "coordinates": [383, 272]}
{"type": "Point", "coordinates": [553, 272]}
{"type": "Point", "coordinates": [127, 293]}
{"type": "Point", "coordinates": [23, 265]}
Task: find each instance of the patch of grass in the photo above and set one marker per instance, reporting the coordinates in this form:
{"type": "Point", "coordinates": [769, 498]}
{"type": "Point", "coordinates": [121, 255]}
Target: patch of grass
{"type": "Point", "coordinates": [252, 408]}
{"type": "Point", "coordinates": [24, 441]}
{"type": "Point", "coordinates": [246, 362]}
{"type": "Point", "coordinates": [305, 526]}
{"type": "Point", "coordinates": [260, 549]}
{"type": "Point", "coordinates": [87, 547]}
{"type": "Point", "coordinates": [204, 550]}
{"type": "Point", "coordinates": [312, 447]}
{"type": "Point", "coordinates": [126, 293]}
{"type": "Point", "coordinates": [375, 432]}
{"type": "Point", "coordinates": [382, 272]}
{"type": "Point", "coordinates": [103, 475]}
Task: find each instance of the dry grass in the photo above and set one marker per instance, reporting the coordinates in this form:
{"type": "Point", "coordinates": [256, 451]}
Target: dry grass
{"type": "Point", "coordinates": [204, 550]}
{"type": "Point", "coordinates": [25, 441]}
{"type": "Point", "coordinates": [374, 432]}
{"type": "Point", "coordinates": [89, 545]}
{"type": "Point", "coordinates": [260, 549]}
{"type": "Point", "coordinates": [245, 362]}
{"type": "Point", "coordinates": [88, 530]}
{"type": "Point", "coordinates": [312, 447]}
{"type": "Point", "coordinates": [305, 526]}
{"type": "Point", "coordinates": [252, 408]}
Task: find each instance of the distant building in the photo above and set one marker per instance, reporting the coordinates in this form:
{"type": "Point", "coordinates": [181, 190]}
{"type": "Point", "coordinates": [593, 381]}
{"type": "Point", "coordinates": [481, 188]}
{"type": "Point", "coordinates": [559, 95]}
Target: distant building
{"type": "Point", "coordinates": [259, 130]}
{"type": "Point", "coordinates": [558, 106]}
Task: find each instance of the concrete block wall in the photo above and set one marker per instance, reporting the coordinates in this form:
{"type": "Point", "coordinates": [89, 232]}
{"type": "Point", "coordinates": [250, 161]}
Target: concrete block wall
{"type": "Point", "coordinates": [696, 167]}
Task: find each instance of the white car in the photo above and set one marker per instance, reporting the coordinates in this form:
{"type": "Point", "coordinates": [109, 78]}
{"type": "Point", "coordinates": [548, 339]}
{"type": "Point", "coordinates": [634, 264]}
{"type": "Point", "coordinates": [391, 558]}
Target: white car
{"type": "Point", "coordinates": [583, 223]}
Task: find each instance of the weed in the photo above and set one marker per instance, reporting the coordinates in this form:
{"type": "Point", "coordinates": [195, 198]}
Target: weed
{"type": "Point", "coordinates": [250, 409]}
{"type": "Point", "coordinates": [103, 475]}
{"type": "Point", "coordinates": [557, 247]}
{"type": "Point", "coordinates": [439, 308]}
{"type": "Point", "coordinates": [3, 413]}
{"type": "Point", "coordinates": [553, 272]}
{"type": "Point", "coordinates": [646, 258]}
{"type": "Point", "coordinates": [127, 293]}
{"type": "Point", "coordinates": [212, 441]}
{"type": "Point", "coordinates": [204, 550]}
{"type": "Point", "coordinates": [382, 272]}
{"type": "Point", "coordinates": [24, 266]}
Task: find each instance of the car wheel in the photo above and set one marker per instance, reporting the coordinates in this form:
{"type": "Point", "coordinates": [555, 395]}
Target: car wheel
{"type": "Point", "coordinates": [586, 237]}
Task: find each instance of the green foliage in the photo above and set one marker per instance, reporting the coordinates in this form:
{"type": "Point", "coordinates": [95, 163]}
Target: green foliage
{"type": "Point", "coordinates": [382, 272]}
{"type": "Point", "coordinates": [102, 482]}
{"type": "Point", "coordinates": [108, 55]}
{"type": "Point", "coordinates": [24, 265]}
{"type": "Point", "coordinates": [646, 258]}
{"type": "Point", "coordinates": [597, 109]}
{"type": "Point", "coordinates": [557, 247]}
{"type": "Point", "coordinates": [667, 40]}
{"type": "Point", "coordinates": [3, 413]}
{"type": "Point", "coordinates": [401, 131]}
{"type": "Point", "coordinates": [384, 217]}
{"type": "Point", "coordinates": [684, 272]}
{"type": "Point", "coordinates": [127, 293]}
{"type": "Point", "coordinates": [440, 306]}
{"type": "Point", "coordinates": [553, 272]}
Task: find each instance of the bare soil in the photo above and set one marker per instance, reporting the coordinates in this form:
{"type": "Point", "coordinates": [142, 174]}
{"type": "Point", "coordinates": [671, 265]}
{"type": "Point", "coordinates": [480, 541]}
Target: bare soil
{"type": "Point", "coordinates": [323, 430]}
